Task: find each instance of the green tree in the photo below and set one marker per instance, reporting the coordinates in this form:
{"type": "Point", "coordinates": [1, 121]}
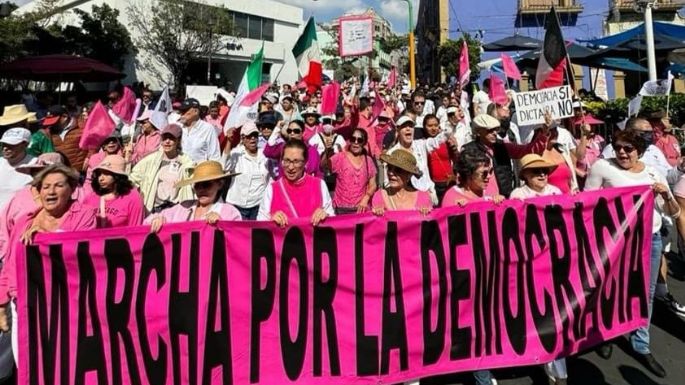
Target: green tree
{"type": "Point", "coordinates": [450, 51]}
{"type": "Point", "coordinates": [393, 43]}
{"type": "Point", "coordinates": [102, 37]}
{"type": "Point", "coordinates": [174, 33]}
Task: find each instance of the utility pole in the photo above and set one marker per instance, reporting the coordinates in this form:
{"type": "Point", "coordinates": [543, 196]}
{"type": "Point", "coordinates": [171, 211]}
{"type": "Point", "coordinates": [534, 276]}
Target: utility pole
{"type": "Point", "coordinates": [412, 55]}
{"type": "Point", "coordinates": [646, 6]}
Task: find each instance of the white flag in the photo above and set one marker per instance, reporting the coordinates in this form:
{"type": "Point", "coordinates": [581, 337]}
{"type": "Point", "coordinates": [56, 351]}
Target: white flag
{"type": "Point", "coordinates": [659, 87]}
{"type": "Point", "coordinates": [365, 87]}
{"type": "Point", "coordinates": [634, 105]}
{"type": "Point", "coordinates": [164, 102]}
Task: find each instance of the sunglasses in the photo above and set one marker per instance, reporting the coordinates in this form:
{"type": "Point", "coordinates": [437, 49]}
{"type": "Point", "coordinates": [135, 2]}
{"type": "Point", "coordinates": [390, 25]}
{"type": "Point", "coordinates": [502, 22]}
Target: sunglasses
{"type": "Point", "coordinates": [628, 148]}
{"type": "Point", "coordinates": [484, 174]}
{"type": "Point", "coordinates": [540, 171]}
{"type": "Point", "coordinates": [357, 140]}
{"type": "Point", "coordinates": [203, 185]}
{"type": "Point", "coordinates": [295, 131]}
{"type": "Point", "coordinates": [419, 103]}
{"type": "Point", "coordinates": [253, 135]}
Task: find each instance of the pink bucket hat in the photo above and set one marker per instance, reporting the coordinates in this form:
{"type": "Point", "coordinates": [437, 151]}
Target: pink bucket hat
{"type": "Point", "coordinates": [116, 164]}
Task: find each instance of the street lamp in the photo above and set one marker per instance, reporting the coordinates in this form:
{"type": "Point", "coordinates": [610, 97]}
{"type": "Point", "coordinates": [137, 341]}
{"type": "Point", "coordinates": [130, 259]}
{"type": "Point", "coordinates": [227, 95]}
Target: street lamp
{"type": "Point", "coordinates": [412, 59]}
{"type": "Point", "coordinates": [646, 6]}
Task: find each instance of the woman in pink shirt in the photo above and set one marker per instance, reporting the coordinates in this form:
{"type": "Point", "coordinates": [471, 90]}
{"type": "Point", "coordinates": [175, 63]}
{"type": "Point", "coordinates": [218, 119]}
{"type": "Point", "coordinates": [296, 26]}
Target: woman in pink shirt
{"type": "Point", "coordinates": [111, 146]}
{"type": "Point", "coordinates": [355, 173]}
{"type": "Point", "coordinates": [312, 125]}
{"type": "Point", "coordinates": [214, 117]}
{"type": "Point", "coordinates": [399, 193]}
{"type": "Point", "coordinates": [473, 174]}
{"type": "Point", "coordinates": [296, 194]}
{"type": "Point", "coordinates": [208, 180]}
{"type": "Point", "coordinates": [114, 199]}
{"type": "Point", "coordinates": [58, 212]}
{"type": "Point", "coordinates": [149, 139]}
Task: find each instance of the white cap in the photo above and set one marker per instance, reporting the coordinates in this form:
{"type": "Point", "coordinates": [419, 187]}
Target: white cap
{"type": "Point", "coordinates": [403, 120]}
{"type": "Point", "coordinates": [485, 121]}
{"type": "Point", "coordinates": [248, 128]}
{"type": "Point", "coordinates": [452, 110]}
{"type": "Point", "coordinates": [16, 135]}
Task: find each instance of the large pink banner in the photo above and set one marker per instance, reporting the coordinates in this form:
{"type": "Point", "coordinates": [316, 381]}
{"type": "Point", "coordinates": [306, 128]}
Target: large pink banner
{"type": "Point", "coordinates": [359, 299]}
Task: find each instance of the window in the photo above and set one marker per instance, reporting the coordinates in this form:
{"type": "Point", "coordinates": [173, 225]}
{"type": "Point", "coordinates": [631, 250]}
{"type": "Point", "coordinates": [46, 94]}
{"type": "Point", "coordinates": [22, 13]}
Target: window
{"type": "Point", "coordinates": [255, 28]}
{"type": "Point", "coordinates": [268, 29]}
{"type": "Point", "coordinates": [240, 27]}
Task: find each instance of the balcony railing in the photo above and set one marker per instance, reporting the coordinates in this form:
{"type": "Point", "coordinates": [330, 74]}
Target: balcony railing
{"type": "Point", "coordinates": [542, 6]}
{"type": "Point", "coordinates": [662, 5]}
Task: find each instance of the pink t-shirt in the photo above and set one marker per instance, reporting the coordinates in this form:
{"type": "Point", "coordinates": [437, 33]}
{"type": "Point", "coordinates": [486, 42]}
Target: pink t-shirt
{"type": "Point", "coordinates": [668, 144]}
{"type": "Point", "coordinates": [310, 131]}
{"type": "Point", "coordinates": [124, 210]}
{"type": "Point", "coordinates": [561, 178]}
{"type": "Point", "coordinates": [381, 199]}
{"type": "Point", "coordinates": [183, 212]}
{"type": "Point", "coordinates": [297, 199]}
{"type": "Point", "coordinates": [456, 193]}
{"type": "Point", "coordinates": [351, 181]}
{"type": "Point", "coordinates": [77, 218]}
{"type": "Point", "coordinates": [145, 145]}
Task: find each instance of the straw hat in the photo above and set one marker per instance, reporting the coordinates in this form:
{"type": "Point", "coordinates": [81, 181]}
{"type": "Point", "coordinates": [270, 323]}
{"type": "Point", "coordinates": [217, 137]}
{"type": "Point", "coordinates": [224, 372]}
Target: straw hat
{"type": "Point", "coordinates": [15, 114]}
{"type": "Point", "coordinates": [116, 164]}
{"type": "Point", "coordinates": [204, 172]}
{"type": "Point", "coordinates": [402, 159]}
{"type": "Point", "coordinates": [533, 161]}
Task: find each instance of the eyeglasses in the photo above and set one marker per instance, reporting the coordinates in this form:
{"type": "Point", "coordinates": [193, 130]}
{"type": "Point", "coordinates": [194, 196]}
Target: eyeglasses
{"type": "Point", "coordinates": [295, 131]}
{"type": "Point", "coordinates": [628, 148]}
{"type": "Point", "coordinates": [540, 171]}
{"type": "Point", "coordinates": [357, 140]}
{"type": "Point", "coordinates": [292, 162]}
{"type": "Point", "coordinates": [253, 135]}
{"type": "Point", "coordinates": [484, 174]}
{"type": "Point", "coordinates": [419, 103]}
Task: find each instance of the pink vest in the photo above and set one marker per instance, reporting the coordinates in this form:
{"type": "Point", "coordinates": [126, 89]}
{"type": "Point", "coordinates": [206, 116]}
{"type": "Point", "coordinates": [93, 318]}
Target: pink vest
{"type": "Point", "coordinates": [303, 197]}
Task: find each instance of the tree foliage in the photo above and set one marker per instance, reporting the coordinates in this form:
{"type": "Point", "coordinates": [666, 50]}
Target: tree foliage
{"type": "Point", "coordinates": [450, 51]}
{"type": "Point", "coordinates": [393, 43]}
{"type": "Point", "coordinates": [175, 32]}
{"type": "Point", "coordinates": [100, 35]}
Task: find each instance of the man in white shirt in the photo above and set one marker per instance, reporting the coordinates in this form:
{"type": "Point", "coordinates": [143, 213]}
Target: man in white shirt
{"type": "Point", "coordinates": [481, 99]}
{"type": "Point", "coordinates": [199, 140]}
{"type": "Point", "coordinates": [456, 126]}
{"type": "Point", "coordinates": [14, 143]}
{"type": "Point", "coordinates": [247, 159]}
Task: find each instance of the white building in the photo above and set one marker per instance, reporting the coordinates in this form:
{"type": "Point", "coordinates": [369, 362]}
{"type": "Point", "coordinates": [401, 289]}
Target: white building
{"type": "Point", "coordinates": [276, 24]}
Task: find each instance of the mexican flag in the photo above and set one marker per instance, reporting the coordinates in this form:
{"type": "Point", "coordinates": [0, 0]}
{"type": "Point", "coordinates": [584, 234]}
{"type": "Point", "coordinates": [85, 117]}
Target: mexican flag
{"type": "Point", "coordinates": [308, 55]}
{"type": "Point", "coordinates": [252, 79]}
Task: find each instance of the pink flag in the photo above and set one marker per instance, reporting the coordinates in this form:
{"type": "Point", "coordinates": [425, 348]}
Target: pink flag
{"type": "Point", "coordinates": [99, 126]}
{"type": "Point", "coordinates": [329, 98]}
{"type": "Point", "coordinates": [125, 106]}
{"type": "Point", "coordinates": [510, 68]}
{"type": "Point", "coordinates": [392, 78]}
{"type": "Point", "coordinates": [255, 95]}
{"type": "Point", "coordinates": [497, 92]}
{"type": "Point", "coordinates": [378, 104]}
{"type": "Point", "coordinates": [464, 67]}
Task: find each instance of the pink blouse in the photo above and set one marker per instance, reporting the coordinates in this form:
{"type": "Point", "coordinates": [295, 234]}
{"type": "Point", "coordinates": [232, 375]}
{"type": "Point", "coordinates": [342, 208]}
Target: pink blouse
{"type": "Point", "coordinates": [456, 193]}
{"type": "Point", "coordinates": [124, 210]}
{"type": "Point", "coordinates": [298, 199]}
{"type": "Point", "coordinates": [184, 212]}
{"type": "Point", "coordinates": [381, 199]}
{"type": "Point", "coordinates": [145, 145]}
{"type": "Point", "coordinates": [76, 218]}
{"type": "Point", "coordinates": [351, 181]}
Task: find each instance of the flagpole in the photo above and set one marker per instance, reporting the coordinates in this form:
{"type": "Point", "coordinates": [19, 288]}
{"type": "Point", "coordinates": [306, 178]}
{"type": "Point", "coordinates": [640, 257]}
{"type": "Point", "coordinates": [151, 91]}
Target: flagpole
{"type": "Point", "coordinates": [569, 68]}
{"type": "Point", "coordinates": [280, 70]}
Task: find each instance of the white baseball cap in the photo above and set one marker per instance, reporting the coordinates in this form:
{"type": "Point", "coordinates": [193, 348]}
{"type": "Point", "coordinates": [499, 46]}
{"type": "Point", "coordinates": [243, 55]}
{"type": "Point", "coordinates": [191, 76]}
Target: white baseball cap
{"type": "Point", "coordinates": [403, 120]}
{"type": "Point", "coordinates": [16, 135]}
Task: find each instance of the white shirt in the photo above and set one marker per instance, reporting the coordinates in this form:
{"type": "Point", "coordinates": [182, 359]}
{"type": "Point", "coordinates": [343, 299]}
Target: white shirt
{"type": "Point", "coordinates": [338, 143]}
{"type": "Point", "coordinates": [481, 100]}
{"type": "Point", "coordinates": [605, 173]}
{"type": "Point", "coordinates": [652, 157]}
{"type": "Point", "coordinates": [13, 180]}
{"type": "Point", "coordinates": [247, 189]}
{"type": "Point", "coordinates": [420, 148]}
{"type": "Point", "coordinates": [264, 213]}
{"type": "Point", "coordinates": [462, 132]}
{"type": "Point", "coordinates": [200, 142]}
{"type": "Point", "coordinates": [525, 192]}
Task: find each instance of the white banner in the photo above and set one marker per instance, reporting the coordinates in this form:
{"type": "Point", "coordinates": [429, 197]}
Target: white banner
{"type": "Point", "coordinates": [203, 94]}
{"type": "Point", "coordinates": [355, 36]}
{"type": "Point", "coordinates": [531, 106]}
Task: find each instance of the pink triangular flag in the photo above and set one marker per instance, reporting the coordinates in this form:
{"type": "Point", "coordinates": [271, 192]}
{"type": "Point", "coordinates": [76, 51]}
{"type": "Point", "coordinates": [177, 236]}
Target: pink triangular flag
{"type": "Point", "coordinates": [99, 126]}
{"type": "Point", "coordinates": [510, 68]}
{"type": "Point", "coordinates": [255, 95]}
{"type": "Point", "coordinates": [378, 104]}
{"type": "Point", "coordinates": [329, 98]}
{"type": "Point", "coordinates": [125, 107]}
{"type": "Point", "coordinates": [464, 67]}
{"type": "Point", "coordinates": [497, 92]}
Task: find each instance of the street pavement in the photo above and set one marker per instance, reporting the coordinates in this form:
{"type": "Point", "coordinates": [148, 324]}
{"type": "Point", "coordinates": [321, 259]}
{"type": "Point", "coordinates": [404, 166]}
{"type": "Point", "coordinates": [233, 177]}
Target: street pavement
{"type": "Point", "coordinates": [667, 345]}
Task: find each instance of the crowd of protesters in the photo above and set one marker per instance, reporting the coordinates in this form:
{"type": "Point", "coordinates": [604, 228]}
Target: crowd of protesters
{"type": "Point", "coordinates": [413, 151]}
